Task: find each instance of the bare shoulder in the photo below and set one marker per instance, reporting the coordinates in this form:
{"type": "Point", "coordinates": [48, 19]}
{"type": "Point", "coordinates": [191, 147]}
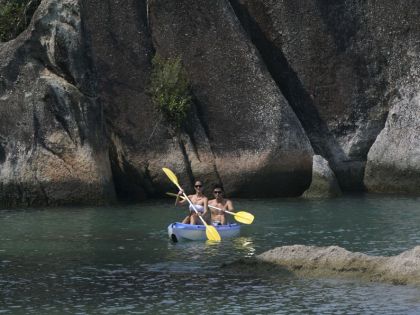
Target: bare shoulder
{"type": "Point", "coordinates": [212, 202]}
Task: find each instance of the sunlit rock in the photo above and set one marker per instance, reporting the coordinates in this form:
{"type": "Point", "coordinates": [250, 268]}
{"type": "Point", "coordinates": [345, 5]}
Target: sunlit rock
{"type": "Point", "coordinates": [324, 184]}
{"type": "Point", "coordinates": [52, 144]}
{"type": "Point", "coordinates": [334, 261]}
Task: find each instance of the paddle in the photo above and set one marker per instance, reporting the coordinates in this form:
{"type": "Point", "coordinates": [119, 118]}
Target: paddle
{"type": "Point", "coordinates": [211, 231]}
{"type": "Point", "coordinates": [240, 216]}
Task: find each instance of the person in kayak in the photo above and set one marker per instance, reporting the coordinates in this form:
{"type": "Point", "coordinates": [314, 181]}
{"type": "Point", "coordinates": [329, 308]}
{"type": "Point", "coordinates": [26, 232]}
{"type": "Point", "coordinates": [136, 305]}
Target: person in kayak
{"type": "Point", "coordinates": [199, 201]}
{"type": "Point", "coordinates": [219, 217]}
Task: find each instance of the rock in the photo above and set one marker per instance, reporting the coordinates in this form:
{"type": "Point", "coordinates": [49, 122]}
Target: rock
{"type": "Point", "coordinates": [141, 142]}
{"type": "Point", "coordinates": [338, 64]}
{"type": "Point", "coordinates": [258, 145]}
{"type": "Point", "coordinates": [403, 268]}
{"type": "Point", "coordinates": [312, 261]}
{"type": "Point", "coordinates": [324, 183]}
{"type": "Point", "coordinates": [394, 159]}
{"type": "Point", "coordinates": [51, 133]}
{"type": "Point", "coordinates": [274, 83]}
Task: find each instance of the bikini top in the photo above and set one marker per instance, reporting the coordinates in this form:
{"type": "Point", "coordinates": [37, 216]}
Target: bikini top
{"type": "Point", "coordinates": [199, 208]}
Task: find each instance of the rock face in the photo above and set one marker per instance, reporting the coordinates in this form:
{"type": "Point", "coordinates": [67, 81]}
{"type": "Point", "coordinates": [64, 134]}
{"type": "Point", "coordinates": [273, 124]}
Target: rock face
{"type": "Point", "coordinates": [121, 51]}
{"type": "Point", "coordinates": [214, 147]}
{"type": "Point", "coordinates": [330, 261]}
{"type": "Point", "coordinates": [339, 64]}
{"type": "Point", "coordinates": [394, 159]}
{"type": "Point", "coordinates": [274, 83]}
{"type": "Point", "coordinates": [52, 148]}
{"type": "Point", "coordinates": [324, 183]}
{"type": "Point", "coordinates": [254, 136]}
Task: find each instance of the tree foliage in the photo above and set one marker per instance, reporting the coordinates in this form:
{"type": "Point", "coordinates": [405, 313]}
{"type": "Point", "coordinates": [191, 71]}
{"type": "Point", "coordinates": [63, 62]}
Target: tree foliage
{"type": "Point", "coordinates": [15, 16]}
{"type": "Point", "coordinates": [170, 89]}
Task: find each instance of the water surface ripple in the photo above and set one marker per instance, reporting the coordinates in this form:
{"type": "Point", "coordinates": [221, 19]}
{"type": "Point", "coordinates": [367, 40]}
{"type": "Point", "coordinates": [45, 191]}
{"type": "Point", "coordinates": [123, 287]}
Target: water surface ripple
{"type": "Point", "coordinates": [118, 260]}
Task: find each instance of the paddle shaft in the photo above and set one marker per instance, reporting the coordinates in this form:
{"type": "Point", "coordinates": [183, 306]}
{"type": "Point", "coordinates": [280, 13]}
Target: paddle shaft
{"type": "Point", "coordinates": [232, 213]}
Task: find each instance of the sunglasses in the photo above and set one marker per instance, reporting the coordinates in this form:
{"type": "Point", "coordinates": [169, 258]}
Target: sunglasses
{"type": "Point", "coordinates": [198, 186]}
{"type": "Point", "coordinates": [217, 192]}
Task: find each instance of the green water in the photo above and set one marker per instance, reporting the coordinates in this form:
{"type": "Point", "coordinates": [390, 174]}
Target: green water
{"type": "Point", "coordinates": [119, 260]}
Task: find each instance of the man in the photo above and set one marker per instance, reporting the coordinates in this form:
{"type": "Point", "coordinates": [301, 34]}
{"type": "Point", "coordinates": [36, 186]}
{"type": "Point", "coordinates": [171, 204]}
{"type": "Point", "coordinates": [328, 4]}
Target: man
{"type": "Point", "coordinates": [219, 217]}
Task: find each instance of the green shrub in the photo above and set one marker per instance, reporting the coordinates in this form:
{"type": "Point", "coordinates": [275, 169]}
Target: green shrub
{"type": "Point", "coordinates": [14, 17]}
{"type": "Point", "coordinates": [170, 89]}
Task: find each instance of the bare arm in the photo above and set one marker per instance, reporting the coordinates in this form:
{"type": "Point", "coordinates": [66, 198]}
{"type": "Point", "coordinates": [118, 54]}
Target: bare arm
{"type": "Point", "coordinates": [179, 201]}
{"type": "Point", "coordinates": [229, 206]}
{"type": "Point", "coordinates": [206, 206]}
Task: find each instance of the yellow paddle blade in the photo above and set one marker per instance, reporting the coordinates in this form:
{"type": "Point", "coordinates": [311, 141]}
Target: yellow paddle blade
{"type": "Point", "coordinates": [212, 233]}
{"type": "Point", "coordinates": [171, 175]}
{"type": "Point", "coordinates": [244, 217]}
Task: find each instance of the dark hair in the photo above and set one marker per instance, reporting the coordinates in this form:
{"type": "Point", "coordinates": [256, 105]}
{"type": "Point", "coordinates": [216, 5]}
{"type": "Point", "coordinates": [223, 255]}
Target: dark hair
{"type": "Point", "coordinates": [218, 186]}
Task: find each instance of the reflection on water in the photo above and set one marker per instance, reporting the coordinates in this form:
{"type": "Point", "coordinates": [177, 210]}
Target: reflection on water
{"type": "Point", "coordinates": [119, 260]}
{"type": "Point", "coordinates": [245, 245]}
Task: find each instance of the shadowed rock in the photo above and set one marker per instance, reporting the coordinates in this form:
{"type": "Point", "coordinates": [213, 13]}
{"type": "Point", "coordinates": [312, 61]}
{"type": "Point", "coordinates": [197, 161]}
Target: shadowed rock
{"type": "Point", "coordinates": [257, 143]}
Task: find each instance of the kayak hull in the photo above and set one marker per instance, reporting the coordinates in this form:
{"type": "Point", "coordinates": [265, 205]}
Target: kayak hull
{"type": "Point", "coordinates": [179, 232]}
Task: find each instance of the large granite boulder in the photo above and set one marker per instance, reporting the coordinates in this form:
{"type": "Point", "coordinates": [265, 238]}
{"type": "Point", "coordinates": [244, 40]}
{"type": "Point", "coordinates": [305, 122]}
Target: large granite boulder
{"type": "Point", "coordinates": [338, 63]}
{"type": "Point", "coordinates": [274, 82]}
{"type": "Point", "coordinates": [52, 148]}
{"type": "Point", "coordinates": [394, 159]}
{"type": "Point", "coordinates": [256, 141]}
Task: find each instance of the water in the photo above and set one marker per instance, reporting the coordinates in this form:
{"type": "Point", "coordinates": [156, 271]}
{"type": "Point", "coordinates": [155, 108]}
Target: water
{"type": "Point", "coordinates": [118, 260]}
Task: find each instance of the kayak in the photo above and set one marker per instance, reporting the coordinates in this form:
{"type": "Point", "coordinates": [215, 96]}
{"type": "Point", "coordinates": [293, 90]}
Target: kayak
{"type": "Point", "coordinates": [179, 231]}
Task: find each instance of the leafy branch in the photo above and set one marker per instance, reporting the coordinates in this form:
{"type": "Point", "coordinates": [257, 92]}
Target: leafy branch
{"type": "Point", "coordinates": [170, 90]}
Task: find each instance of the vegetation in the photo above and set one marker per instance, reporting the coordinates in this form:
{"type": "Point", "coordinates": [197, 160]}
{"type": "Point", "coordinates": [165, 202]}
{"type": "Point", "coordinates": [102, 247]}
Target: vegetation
{"type": "Point", "coordinates": [170, 90]}
{"type": "Point", "coordinates": [15, 16]}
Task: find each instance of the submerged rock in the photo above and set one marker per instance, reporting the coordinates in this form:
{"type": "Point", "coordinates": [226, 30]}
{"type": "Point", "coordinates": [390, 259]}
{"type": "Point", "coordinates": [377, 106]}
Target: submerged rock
{"type": "Point", "coordinates": [334, 261]}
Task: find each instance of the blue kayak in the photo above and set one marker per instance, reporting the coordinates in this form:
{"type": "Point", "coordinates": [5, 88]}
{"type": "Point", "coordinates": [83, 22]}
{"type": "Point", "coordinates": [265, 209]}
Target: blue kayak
{"type": "Point", "coordinates": [179, 231]}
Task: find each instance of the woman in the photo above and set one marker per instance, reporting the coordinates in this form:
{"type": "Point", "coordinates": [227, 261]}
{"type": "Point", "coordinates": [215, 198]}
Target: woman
{"type": "Point", "coordinates": [198, 200]}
